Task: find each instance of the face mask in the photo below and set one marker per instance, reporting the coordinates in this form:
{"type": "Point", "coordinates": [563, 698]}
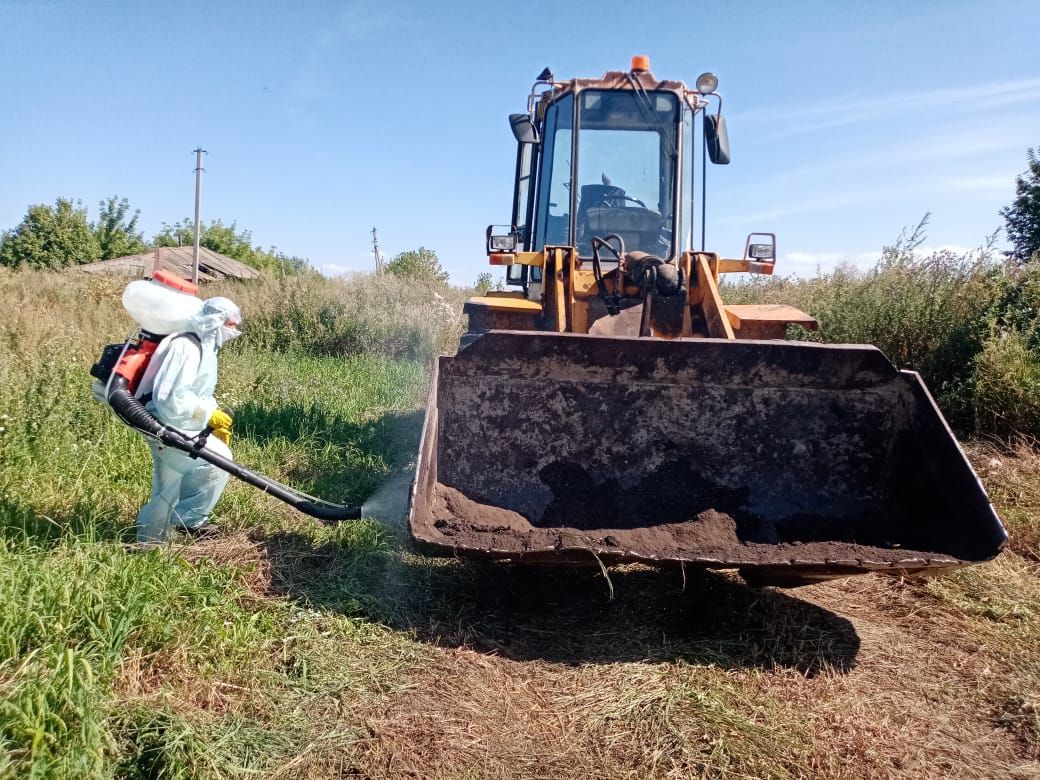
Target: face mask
{"type": "Point", "coordinates": [225, 334]}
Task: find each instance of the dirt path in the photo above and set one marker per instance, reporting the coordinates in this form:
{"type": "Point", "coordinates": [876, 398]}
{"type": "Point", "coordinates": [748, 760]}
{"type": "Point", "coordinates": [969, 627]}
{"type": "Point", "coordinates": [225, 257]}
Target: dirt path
{"type": "Point", "coordinates": [912, 700]}
{"type": "Point", "coordinates": [525, 671]}
{"type": "Point", "coordinates": [917, 701]}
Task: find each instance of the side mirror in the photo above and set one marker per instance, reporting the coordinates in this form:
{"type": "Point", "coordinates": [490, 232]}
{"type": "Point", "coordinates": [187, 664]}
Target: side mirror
{"type": "Point", "coordinates": [717, 139]}
{"type": "Point", "coordinates": [523, 128]}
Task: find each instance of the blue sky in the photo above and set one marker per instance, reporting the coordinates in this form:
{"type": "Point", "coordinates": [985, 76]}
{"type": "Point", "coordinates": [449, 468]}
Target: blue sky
{"type": "Point", "coordinates": [847, 121]}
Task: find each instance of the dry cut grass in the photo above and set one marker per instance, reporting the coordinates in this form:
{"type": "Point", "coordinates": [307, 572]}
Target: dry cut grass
{"type": "Point", "coordinates": [520, 672]}
{"type": "Point", "coordinates": [1012, 479]}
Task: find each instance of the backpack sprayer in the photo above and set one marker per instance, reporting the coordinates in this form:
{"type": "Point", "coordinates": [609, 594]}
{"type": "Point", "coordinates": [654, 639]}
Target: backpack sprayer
{"type": "Point", "coordinates": [162, 306]}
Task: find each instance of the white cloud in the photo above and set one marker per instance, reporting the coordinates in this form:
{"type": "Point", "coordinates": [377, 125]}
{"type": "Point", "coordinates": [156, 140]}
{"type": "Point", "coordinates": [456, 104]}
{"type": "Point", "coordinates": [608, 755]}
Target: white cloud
{"type": "Point", "coordinates": [954, 166]}
{"type": "Point", "coordinates": [808, 264]}
{"type": "Point", "coordinates": [839, 111]}
{"type": "Point", "coordinates": [855, 196]}
{"type": "Point", "coordinates": [866, 259]}
{"type": "Point", "coordinates": [334, 269]}
{"type": "Point", "coordinates": [968, 143]}
{"type": "Point", "coordinates": [813, 258]}
{"type": "Point", "coordinates": [981, 183]}
{"type": "Point", "coordinates": [356, 261]}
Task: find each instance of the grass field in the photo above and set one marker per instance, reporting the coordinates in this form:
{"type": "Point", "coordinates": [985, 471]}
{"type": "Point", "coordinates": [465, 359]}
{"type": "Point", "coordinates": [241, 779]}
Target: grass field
{"type": "Point", "coordinates": [283, 649]}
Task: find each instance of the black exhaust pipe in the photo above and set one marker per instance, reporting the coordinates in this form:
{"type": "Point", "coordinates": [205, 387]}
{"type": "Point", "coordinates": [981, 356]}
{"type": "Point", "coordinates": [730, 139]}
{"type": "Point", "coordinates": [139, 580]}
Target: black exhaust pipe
{"type": "Point", "coordinates": [131, 411]}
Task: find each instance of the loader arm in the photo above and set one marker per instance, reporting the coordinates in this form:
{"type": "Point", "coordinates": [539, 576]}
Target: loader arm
{"type": "Point", "coordinates": [576, 299]}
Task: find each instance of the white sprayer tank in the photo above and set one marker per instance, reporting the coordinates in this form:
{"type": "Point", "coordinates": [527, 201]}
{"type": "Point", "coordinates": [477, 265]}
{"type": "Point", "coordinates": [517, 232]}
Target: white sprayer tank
{"type": "Point", "coordinates": [163, 304]}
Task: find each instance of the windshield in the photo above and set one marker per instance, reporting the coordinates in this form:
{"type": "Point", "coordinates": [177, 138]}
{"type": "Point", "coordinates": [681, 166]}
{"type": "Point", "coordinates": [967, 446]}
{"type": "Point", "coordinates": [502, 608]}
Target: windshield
{"type": "Point", "coordinates": [626, 169]}
{"type": "Point", "coordinates": [552, 217]}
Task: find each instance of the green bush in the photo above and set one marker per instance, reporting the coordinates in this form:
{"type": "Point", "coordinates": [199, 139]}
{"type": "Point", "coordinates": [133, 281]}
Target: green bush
{"type": "Point", "coordinates": [419, 265]}
{"type": "Point", "coordinates": [1006, 386]}
{"type": "Point", "coordinates": [1018, 302]}
{"type": "Point", "coordinates": [962, 321]}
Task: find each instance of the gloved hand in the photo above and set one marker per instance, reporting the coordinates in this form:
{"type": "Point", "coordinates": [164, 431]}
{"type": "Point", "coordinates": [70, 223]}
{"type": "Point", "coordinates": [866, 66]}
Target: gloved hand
{"type": "Point", "coordinates": [220, 421]}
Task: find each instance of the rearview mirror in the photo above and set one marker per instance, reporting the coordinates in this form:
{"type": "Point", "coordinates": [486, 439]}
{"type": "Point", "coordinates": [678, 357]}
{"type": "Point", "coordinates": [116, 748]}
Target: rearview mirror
{"type": "Point", "coordinates": [716, 138]}
{"type": "Point", "coordinates": [523, 128]}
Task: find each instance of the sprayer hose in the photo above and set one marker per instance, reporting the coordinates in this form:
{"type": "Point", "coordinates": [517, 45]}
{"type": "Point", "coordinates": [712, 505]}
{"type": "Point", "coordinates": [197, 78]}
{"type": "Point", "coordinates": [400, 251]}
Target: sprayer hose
{"type": "Point", "coordinates": [131, 411]}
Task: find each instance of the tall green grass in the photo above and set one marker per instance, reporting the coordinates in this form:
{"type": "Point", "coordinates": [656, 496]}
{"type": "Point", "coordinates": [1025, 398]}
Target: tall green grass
{"type": "Point", "coordinates": [67, 619]}
{"type": "Point", "coordinates": [968, 323]}
{"type": "Point", "coordinates": [98, 643]}
{"type": "Point", "coordinates": [252, 656]}
{"type": "Point", "coordinates": [384, 315]}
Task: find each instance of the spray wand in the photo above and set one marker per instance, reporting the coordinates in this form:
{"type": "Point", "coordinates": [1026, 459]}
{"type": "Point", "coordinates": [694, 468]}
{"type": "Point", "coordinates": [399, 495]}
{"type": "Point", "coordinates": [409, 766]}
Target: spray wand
{"type": "Point", "coordinates": [131, 411]}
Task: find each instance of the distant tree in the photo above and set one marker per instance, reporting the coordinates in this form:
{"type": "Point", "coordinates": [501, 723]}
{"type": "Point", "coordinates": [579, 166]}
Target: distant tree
{"type": "Point", "coordinates": [229, 240]}
{"type": "Point", "coordinates": [226, 239]}
{"type": "Point", "coordinates": [116, 235]}
{"type": "Point", "coordinates": [51, 237]}
{"type": "Point", "coordinates": [1022, 217]}
{"type": "Point", "coordinates": [420, 264]}
{"type": "Point", "coordinates": [486, 283]}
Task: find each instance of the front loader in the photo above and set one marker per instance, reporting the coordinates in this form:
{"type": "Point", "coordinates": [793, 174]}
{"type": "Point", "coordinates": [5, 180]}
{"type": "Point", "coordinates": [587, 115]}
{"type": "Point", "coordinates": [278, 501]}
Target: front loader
{"type": "Point", "coordinates": [614, 408]}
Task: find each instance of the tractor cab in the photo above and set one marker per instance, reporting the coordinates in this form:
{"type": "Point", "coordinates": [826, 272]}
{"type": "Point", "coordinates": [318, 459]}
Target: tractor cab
{"type": "Point", "coordinates": [616, 174]}
{"type": "Point", "coordinates": [607, 157]}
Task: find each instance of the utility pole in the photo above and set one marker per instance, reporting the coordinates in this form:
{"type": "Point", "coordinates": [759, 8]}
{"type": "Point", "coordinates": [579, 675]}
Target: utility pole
{"type": "Point", "coordinates": [198, 199]}
{"type": "Point", "coordinates": [375, 252]}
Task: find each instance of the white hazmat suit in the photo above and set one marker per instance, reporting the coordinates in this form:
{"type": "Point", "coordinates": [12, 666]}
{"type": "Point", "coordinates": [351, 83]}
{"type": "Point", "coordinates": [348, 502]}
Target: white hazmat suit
{"type": "Point", "coordinates": [178, 389]}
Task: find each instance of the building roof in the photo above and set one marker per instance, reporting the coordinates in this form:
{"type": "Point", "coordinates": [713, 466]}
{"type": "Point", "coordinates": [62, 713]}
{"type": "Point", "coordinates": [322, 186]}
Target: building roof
{"type": "Point", "coordinates": [177, 259]}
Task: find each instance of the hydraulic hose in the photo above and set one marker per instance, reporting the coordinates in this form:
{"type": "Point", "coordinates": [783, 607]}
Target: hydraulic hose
{"type": "Point", "coordinates": [131, 411]}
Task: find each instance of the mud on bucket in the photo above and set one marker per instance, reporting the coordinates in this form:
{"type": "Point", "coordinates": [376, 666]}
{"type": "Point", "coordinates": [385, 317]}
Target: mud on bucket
{"type": "Point", "coordinates": [790, 461]}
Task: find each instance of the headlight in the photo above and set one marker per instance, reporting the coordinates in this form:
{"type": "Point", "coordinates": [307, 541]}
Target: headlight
{"type": "Point", "coordinates": [503, 243]}
{"type": "Point", "coordinates": [762, 252]}
{"type": "Point", "coordinates": [707, 83]}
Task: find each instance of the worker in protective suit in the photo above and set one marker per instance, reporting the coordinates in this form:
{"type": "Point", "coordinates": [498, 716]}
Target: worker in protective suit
{"type": "Point", "coordinates": [177, 388]}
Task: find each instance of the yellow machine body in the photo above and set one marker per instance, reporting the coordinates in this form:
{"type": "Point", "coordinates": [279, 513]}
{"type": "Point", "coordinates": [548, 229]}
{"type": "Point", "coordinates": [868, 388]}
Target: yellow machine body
{"type": "Point", "coordinates": [615, 409]}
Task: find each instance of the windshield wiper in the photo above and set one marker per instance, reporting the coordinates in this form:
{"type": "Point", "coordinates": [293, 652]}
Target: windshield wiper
{"type": "Point", "coordinates": [646, 108]}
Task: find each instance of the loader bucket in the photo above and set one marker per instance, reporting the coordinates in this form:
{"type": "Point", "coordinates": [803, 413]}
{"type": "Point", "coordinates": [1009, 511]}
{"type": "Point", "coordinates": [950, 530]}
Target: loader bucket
{"type": "Point", "coordinates": [792, 462]}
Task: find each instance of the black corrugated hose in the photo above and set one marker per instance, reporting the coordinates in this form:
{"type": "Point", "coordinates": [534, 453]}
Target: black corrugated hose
{"type": "Point", "coordinates": [131, 411]}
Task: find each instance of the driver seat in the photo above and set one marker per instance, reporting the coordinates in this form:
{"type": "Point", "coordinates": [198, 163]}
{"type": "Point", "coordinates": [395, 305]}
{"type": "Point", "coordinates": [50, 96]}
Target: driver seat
{"type": "Point", "coordinates": [602, 210]}
{"type": "Point", "coordinates": [599, 196]}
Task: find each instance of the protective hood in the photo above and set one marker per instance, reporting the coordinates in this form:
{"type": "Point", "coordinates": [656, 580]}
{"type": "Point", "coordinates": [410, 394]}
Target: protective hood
{"type": "Point", "coordinates": [210, 322]}
{"type": "Point", "coordinates": [226, 334]}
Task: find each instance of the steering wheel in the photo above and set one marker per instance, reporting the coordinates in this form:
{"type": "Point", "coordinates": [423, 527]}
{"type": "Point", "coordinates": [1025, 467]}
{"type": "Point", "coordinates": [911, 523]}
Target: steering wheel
{"type": "Point", "coordinates": [610, 201]}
